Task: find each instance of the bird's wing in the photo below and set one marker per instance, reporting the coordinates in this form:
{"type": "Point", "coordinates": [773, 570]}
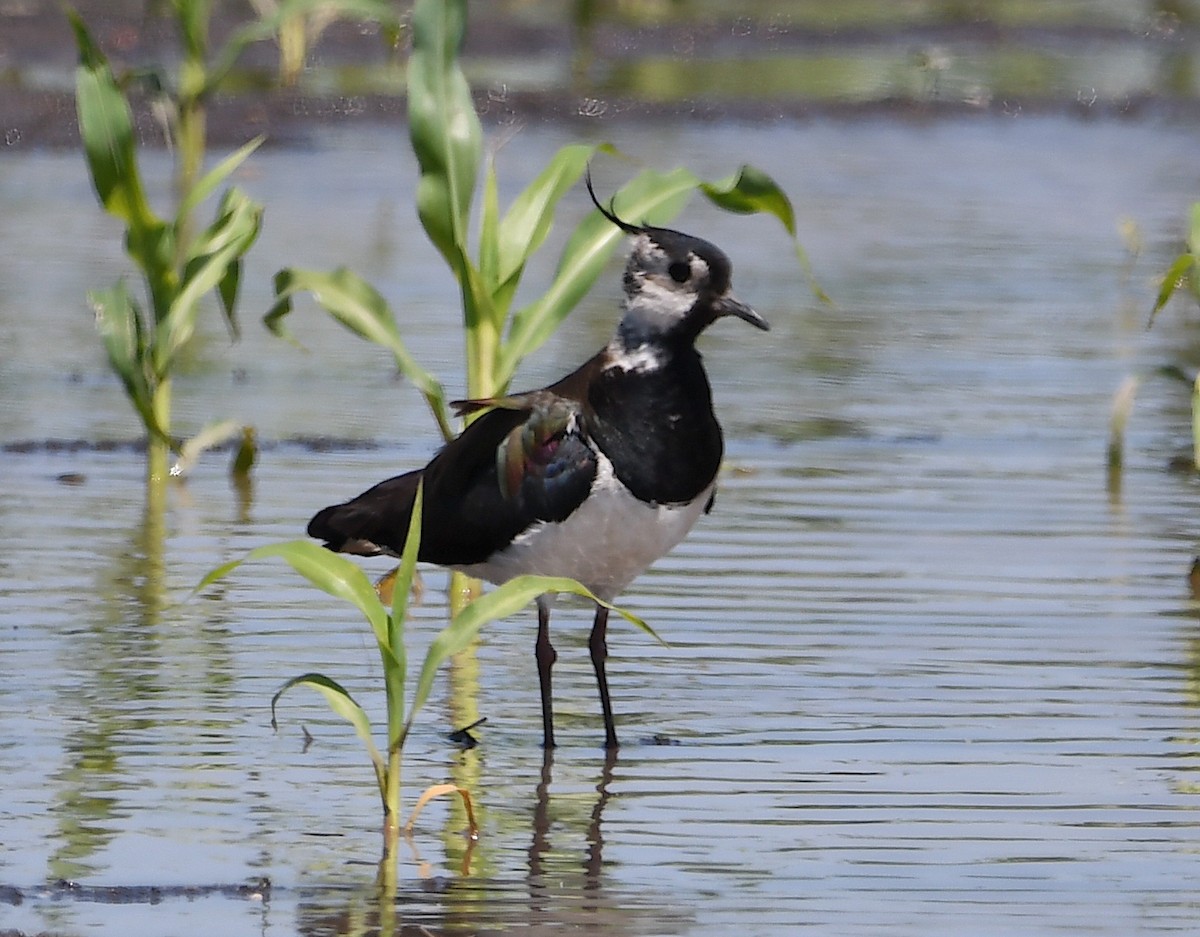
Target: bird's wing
{"type": "Point", "coordinates": [529, 452]}
{"type": "Point", "coordinates": [524, 460]}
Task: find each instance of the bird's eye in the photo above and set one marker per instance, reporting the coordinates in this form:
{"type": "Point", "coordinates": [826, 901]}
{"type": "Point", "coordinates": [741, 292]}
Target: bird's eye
{"type": "Point", "coordinates": [679, 271]}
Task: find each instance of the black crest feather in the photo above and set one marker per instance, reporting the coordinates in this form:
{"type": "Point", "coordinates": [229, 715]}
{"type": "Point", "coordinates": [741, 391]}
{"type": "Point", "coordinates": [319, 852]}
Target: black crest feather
{"type": "Point", "coordinates": [610, 212]}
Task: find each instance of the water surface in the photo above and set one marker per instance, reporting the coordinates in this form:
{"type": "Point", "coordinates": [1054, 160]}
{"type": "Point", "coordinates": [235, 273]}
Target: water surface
{"type": "Point", "coordinates": [928, 673]}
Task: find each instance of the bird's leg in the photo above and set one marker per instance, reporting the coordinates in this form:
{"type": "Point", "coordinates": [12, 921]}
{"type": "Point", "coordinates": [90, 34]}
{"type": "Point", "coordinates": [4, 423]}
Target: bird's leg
{"type": "Point", "coordinates": [599, 650]}
{"type": "Point", "coordinates": [546, 656]}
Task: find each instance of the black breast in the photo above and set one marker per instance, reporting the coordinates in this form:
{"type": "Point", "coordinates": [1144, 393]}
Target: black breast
{"type": "Point", "coordinates": [658, 427]}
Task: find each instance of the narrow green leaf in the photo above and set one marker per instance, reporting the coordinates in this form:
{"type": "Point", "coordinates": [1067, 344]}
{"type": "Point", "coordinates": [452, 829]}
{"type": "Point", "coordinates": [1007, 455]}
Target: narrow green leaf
{"type": "Point", "coordinates": [383, 12]}
{"type": "Point", "coordinates": [216, 574]}
{"type": "Point", "coordinates": [528, 220]}
{"type": "Point", "coordinates": [332, 573]}
{"type": "Point", "coordinates": [328, 571]}
{"type": "Point", "coordinates": [443, 126]}
{"type": "Point", "coordinates": [342, 704]}
{"type": "Point", "coordinates": [228, 290]}
{"type": "Point", "coordinates": [651, 197]}
{"type": "Point", "coordinates": [208, 184]}
{"type": "Point", "coordinates": [192, 17]}
{"type": "Point", "coordinates": [501, 602]}
{"type": "Point", "coordinates": [396, 672]}
{"type": "Point", "coordinates": [489, 230]}
{"type": "Point", "coordinates": [358, 306]}
{"type": "Point", "coordinates": [1193, 241]}
{"type": "Point", "coordinates": [106, 128]}
{"type": "Point", "coordinates": [208, 265]}
{"type": "Point", "coordinates": [1179, 271]}
{"type": "Point", "coordinates": [119, 321]}
{"type": "Point", "coordinates": [405, 573]}
{"type": "Point", "coordinates": [751, 191]}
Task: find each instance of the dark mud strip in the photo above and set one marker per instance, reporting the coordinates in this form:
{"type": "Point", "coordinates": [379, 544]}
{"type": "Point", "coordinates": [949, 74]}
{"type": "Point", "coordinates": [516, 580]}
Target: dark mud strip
{"type": "Point", "coordinates": [64, 890]}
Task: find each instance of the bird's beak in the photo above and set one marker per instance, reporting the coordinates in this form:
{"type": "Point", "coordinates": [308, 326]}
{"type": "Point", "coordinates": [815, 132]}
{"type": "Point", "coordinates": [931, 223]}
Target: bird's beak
{"type": "Point", "coordinates": [729, 305]}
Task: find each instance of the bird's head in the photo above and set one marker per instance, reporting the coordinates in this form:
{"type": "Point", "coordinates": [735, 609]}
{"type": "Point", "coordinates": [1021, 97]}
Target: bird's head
{"type": "Point", "coordinates": [675, 284]}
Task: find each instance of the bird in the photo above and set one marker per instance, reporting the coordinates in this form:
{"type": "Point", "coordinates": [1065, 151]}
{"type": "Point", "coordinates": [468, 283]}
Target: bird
{"type": "Point", "coordinates": [594, 477]}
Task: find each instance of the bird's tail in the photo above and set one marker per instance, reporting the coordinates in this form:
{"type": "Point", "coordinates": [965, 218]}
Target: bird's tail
{"type": "Point", "coordinates": [373, 523]}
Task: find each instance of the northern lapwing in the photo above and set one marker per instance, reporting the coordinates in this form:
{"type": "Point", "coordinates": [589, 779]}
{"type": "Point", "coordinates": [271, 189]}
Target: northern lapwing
{"type": "Point", "coordinates": [594, 477]}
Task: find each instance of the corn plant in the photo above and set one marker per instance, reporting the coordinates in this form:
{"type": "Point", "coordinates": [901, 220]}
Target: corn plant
{"type": "Point", "coordinates": [295, 25]}
{"type": "Point", "coordinates": [447, 137]}
{"type": "Point", "coordinates": [342, 578]}
{"type": "Point", "coordinates": [178, 269]}
{"type": "Point", "coordinates": [1184, 270]}
{"type": "Point", "coordinates": [178, 266]}
{"type": "Point", "coordinates": [1182, 273]}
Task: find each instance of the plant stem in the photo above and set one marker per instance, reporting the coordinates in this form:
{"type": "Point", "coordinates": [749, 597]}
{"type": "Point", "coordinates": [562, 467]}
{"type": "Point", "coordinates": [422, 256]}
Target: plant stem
{"type": "Point", "coordinates": [158, 450]}
{"type": "Point", "coordinates": [391, 803]}
{"type": "Point", "coordinates": [192, 140]}
{"type": "Point", "coordinates": [385, 891]}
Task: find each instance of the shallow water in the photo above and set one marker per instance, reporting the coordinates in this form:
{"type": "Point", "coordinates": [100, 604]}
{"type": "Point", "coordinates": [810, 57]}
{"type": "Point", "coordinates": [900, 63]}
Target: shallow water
{"type": "Point", "coordinates": [928, 673]}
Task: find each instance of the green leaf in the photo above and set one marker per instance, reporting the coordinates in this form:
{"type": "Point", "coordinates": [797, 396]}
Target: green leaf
{"type": "Point", "coordinates": [529, 218]}
{"type": "Point", "coordinates": [489, 231]}
{"type": "Point", "coordinates": [334, 574]}
{"type": "Point", "coordinates": [208, 268]}
{"type": "Point", "coordinates": [106, 128]}
{"type": "Point", "coordinates": [208, 184]}
{"type": "Point", "coordinates": [651, 197]}
{"type": "Point", "coordinates": [228, 290]}
{"type": "Point", "coordinates": [342, 704]}
{"type": "Point", "coordinates": [501, 602]}
{"type": "Point", "coordinates": [192, 18]}
{"type": "Point", "coordinates": [119, 321]}
{"type": "Point", "coordinates": [750, 191]}
{"type": "Point", "coordinates": [328, 571]}
{"type": "Point", "coordinates": [380, 11]}
{"type": "Point", "coordinates": [443, 126]}
{"type": "Point", "coordinates": [396, 671]}
{"type": "Point", "coordinates": [358, 306]}
{"type": "Point", "coordinates": [405, 573]}
{"type": "Point", "coordinates": [1196, 423]}
{"type": "Point", "coordinates": [1194, 249]}
{"type": "Point", "coordinates": [1180, 270]}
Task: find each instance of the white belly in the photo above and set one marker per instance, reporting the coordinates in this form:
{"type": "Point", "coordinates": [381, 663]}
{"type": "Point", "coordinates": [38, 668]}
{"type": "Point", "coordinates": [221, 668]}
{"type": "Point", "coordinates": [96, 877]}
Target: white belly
{"type": "Point", "coordinates": [605, 544]}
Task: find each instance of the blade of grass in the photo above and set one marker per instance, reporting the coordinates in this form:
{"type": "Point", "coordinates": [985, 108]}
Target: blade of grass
{"type": "Point", "coordinates": [342, 704]}
{"type": "Point", "coordinates": [396, 673]}
{"type": "Point", "coordinates": [359, 307]}
{"type": "Point", "coordinates": [444, 128]}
